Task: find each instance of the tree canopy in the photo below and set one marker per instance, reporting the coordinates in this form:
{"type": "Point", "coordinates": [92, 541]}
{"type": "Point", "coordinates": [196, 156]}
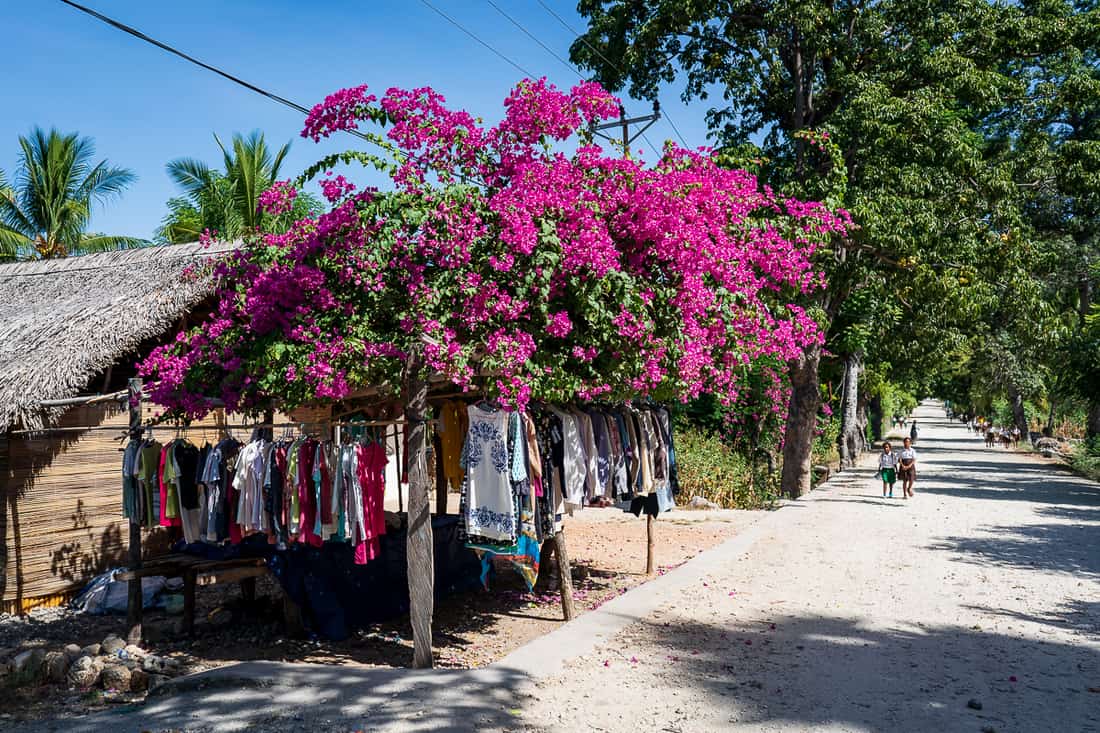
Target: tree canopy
{"type": "Point", "coordinates": [227, 202]}
{"type": "Point", "coordinates": [46, 211]}
{"type": "Point", "coordinates": [908, 96]}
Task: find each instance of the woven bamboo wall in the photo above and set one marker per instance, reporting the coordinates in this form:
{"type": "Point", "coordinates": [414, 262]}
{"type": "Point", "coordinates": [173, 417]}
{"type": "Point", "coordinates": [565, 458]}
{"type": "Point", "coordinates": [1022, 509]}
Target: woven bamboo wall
{"type": "Point", "coordinates": [61, 519]}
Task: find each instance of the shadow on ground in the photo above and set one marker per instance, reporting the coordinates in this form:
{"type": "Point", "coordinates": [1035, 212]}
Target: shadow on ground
{"type": "Point", "coordinates": [1059, 547]}
{"type": "Point", "coordinates": [815, 672]}
{"type": "Point", "coordinates": [268, 696]}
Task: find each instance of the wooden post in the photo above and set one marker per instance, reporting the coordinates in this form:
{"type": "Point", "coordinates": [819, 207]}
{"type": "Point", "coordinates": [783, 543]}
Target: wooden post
{"type": "Point", "coordinates": [650, 568]}
{"type": "Point", "coordinates": [190, 580]}
{"type": "Point", "coordinates": [565, 576]}
{"type": "Point", "coordinates": [420, 552]}
{"type": "Point", "coordinates": [440, 478]}
{"type": "Point", "coordinates": [134, 599]}
{"type": "Point", "coordinates": [292, 618]}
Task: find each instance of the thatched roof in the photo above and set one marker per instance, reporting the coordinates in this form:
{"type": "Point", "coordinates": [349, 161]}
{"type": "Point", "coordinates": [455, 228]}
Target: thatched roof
{"type": "Point", "coordinates": [65, 321]}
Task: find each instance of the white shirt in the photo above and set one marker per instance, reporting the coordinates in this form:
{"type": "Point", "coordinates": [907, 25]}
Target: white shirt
{"type": "Point", "coordinates": [887, 460]}
{"type": "Point", "coordinates": [907, 454]}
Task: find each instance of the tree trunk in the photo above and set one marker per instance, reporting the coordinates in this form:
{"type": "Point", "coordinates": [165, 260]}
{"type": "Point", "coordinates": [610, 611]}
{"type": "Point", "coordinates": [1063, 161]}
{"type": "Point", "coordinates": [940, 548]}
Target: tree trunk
{"type": "Point", "coordinates": [1084, 298]}
{"type": "Point", "coordinates": [861, 425]}
{"type": "Point", "coordinates": [1094, 419]}
{"type": "Point", "coordinates": [877, 418]}
{"type": "Point", "coordinates": [420, 547]}
{"type": "Point", "coordinates": [849, 442]}
{"type": "Point", "coordinates": [798, 437]}
{"type": "Point", "coordinates": [1019, 416]}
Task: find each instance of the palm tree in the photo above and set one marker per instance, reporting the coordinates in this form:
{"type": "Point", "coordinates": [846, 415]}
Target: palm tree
{"type": "Point", "coordinates": [46, 213]}
{"type": "Point", "coordinates": [225, 201]}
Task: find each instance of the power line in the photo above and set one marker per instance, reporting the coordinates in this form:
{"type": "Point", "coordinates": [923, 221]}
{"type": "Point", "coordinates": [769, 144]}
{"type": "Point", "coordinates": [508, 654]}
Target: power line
{"type": "Point", "coordinates": [565, 63]}
{"type": "Point", "coordinates": [606, 60]}
{"type": "Point", "coordinates": [224, 74]}
{"type": "Point", "coordinates": [281, 100]}
{"type": "Point", "coordinates": [472, 35]}
{"type": "Point", "coordinates": [534, 38]}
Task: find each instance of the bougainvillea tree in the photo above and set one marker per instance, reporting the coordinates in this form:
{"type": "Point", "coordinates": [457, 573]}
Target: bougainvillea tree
{"type": "Point", "coordinates": [505, 259]}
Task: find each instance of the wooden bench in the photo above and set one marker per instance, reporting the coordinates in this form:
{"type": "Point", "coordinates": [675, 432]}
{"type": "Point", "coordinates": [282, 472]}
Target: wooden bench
{"type": "Point", "coordinates": [198, 571]}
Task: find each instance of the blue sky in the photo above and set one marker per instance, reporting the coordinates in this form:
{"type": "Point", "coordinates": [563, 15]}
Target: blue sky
{"type": "Point", "coordinates": [145, 107]}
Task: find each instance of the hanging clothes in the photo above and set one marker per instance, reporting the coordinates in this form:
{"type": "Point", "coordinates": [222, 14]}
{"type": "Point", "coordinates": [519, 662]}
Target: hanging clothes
{"type": "Point", "coordinates": [186, 457]}
{"type": "Point", "coordinates": [370, 468]}
{"type": "Point", "coordinates": [148, 480]}
{"type": "Point", "coordinates": [574, 461]}
{"type": "Point", "coordinates": [131, 502]}
{"type": "Point", "coordinates": [454, 423]}
{"type": "Point", "coordinates": [489, 510]}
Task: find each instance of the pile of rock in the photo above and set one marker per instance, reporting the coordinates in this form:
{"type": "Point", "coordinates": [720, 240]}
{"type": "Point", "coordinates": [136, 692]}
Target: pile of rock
{"type": "Point", "coordinates": [112, 665]}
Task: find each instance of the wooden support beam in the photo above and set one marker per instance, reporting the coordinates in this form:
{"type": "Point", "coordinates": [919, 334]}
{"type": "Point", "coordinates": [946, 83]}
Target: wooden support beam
{"type": "Point", "coordinates": [421, 559]}
{"type": "Point", "coordinates": [231, 575]}
{"type": "Point", "coordinates": [134, 597]}
{"type": "Point", "coordinates": [650, 566]}
{"type": "Point", "coordinates": [565, 576]}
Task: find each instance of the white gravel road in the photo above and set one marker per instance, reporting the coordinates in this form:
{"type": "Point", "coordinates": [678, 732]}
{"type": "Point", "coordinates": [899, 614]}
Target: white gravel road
{"type": "Point", "coordinates": [974, 606]}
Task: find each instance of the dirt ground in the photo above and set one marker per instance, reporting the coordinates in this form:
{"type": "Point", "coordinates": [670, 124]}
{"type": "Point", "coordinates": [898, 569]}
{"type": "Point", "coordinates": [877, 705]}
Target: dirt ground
{"type": "Point", "coordinates": [471, 629]}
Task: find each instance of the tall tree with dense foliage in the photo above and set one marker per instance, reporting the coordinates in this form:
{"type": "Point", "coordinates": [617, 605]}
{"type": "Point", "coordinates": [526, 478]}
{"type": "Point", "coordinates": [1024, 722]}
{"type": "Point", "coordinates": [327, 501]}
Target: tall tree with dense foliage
{"type": "Point", "coordinates": [227, 202]}
{"type": "Point", "coordinates": [901, 89]}
{"type": "Point", "coordinates": [1054, 134]}
{"type": "Point", "coordinates": [46, 210]}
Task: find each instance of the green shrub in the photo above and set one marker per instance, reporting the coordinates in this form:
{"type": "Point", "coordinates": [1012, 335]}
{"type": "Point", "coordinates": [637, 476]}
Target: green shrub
{"type": "Point", "coordinates": [1086, 459]}
{"type": "Point", "coordinates": [710, 469]}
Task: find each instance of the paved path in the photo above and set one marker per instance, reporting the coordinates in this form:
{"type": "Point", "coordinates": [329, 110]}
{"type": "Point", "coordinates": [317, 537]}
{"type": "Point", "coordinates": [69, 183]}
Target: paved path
{"type": "Point", "coordinates": [841, 612]}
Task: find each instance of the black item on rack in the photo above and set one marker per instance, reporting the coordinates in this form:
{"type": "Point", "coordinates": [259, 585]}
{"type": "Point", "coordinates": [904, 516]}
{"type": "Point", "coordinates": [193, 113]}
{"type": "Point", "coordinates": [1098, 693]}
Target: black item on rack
{"type": "Point", "coordinates": [337, 596]}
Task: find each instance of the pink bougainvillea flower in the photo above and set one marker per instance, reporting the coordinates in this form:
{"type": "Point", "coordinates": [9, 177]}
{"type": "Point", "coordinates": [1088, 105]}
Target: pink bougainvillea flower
{"type": "Point", "coordinates": [496, 256]}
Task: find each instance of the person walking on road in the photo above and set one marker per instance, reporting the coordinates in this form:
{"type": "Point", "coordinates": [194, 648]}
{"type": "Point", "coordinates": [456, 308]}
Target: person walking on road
{"type": "Point", "coordinates": [913, 432]}
{"type": "Point", "coordinates": [887, 468]}
{"type": "Point", "coordinates": [907, 471]}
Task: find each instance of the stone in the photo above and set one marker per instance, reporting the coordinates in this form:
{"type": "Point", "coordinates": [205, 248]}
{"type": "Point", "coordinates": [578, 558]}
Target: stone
{"type": "Point", "coordinates": [974, 703]}
{"type": "Point", "coordinates": [55, 667]}
{"type": "Point", "coordinates": [160, 665]}
{"type": "Point", "coordinates": [139, 680]}
{"type": "Point", "coordinates": [112, 644]}
{"type": "Point", "coordinates": [27, 665]}
{"type": "Point", "coordinates": [92, 650]}
{"type": "Point", "coordinates": [115, 677]}
{"type": "Point", "coordinates": [134, 651]}
{"type": "Point", "coordinates": [699, 502]}
{"type": "Point", "coordinates": [84, 672]}
{"type": "Point", "coordinates": [157, 680]}
{"type": "Point", "coordinates": [72, 652]}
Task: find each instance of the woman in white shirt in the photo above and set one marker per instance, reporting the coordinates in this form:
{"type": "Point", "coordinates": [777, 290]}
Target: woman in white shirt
{"type": "Point", "coordinates": [887, 468]}
{"type": "Point", "coordinates": [907, 468]}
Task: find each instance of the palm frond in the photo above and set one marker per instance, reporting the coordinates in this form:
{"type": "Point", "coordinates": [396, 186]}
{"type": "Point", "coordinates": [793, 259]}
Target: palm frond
{"type": "Point", "coordinates": [277, 162]}
{"type": "Point", "coordinates": [107, 243]}
{"type": "Point", "coordinates": [190, 174]}
{"type": "Point", "coordinates": [104, 182]}
{"type": "Point", "coordinates": [50, 203]}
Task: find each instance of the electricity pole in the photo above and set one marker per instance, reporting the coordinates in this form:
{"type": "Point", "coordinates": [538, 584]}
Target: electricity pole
{"type": "Point", "coordinates": [624, 127]}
